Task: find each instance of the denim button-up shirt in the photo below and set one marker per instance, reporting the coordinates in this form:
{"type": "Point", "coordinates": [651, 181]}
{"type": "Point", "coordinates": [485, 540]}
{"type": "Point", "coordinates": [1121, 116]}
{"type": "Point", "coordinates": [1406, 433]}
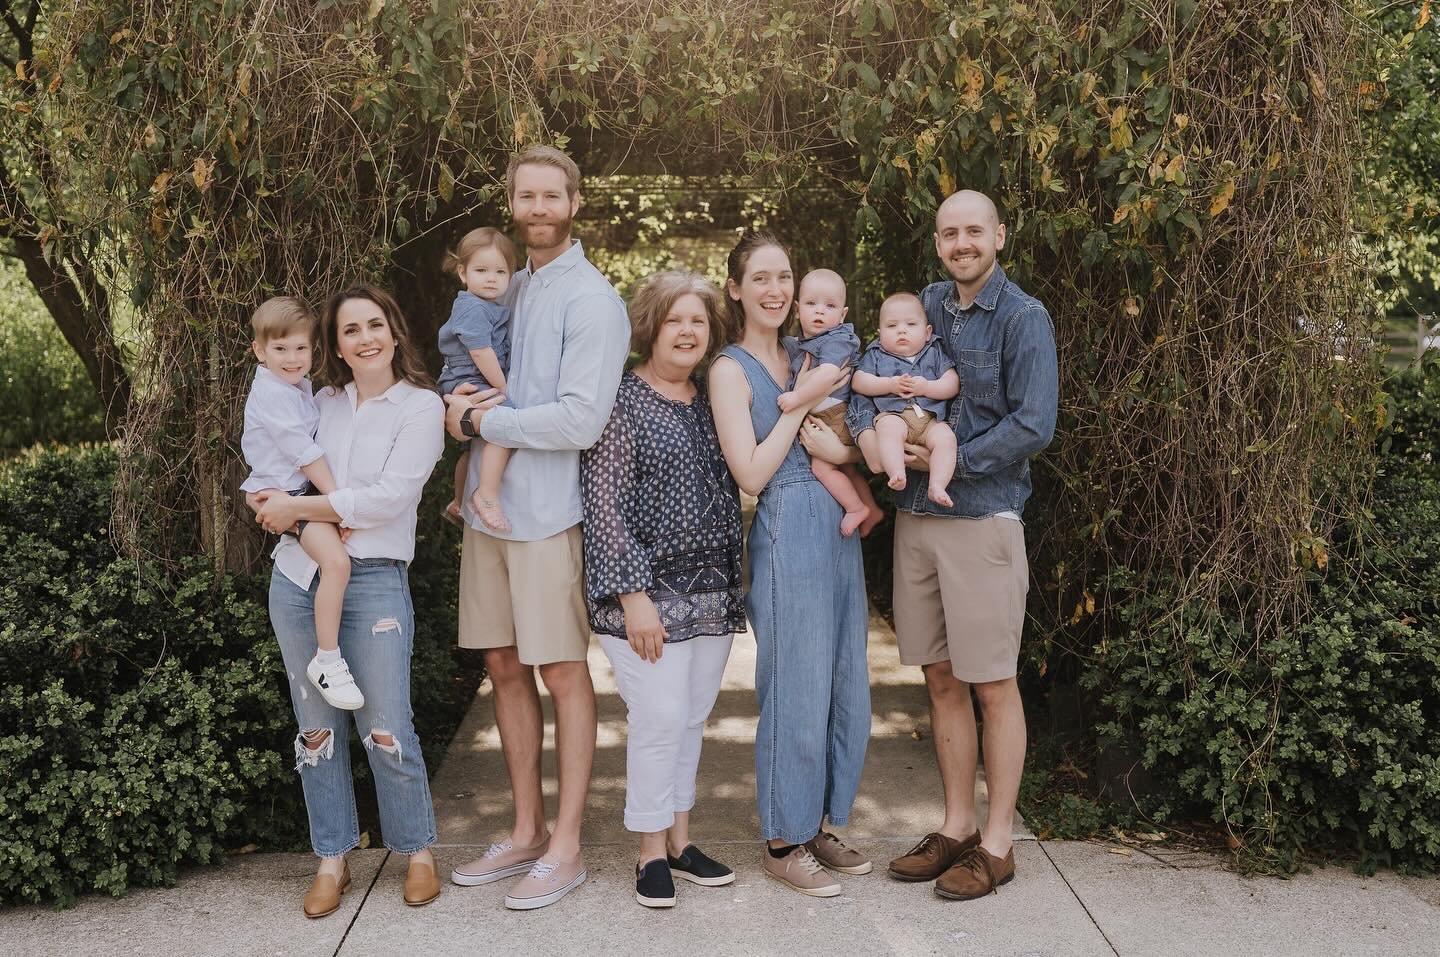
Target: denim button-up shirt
{"type": "Point", "coordinates": [569, 336]}
{"type": "Point", "coordinates": [1004, 350]}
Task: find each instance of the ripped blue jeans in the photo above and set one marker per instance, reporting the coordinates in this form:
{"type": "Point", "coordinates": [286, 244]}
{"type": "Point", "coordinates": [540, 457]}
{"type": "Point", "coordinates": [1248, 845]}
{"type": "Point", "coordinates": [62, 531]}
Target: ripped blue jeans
{"type": "Point", "coordinates": [376, 632]}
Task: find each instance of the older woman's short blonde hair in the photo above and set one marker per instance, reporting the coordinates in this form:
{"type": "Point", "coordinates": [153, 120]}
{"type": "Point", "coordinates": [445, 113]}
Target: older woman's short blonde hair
{"type": "Point", "coordinates": [656, 296]}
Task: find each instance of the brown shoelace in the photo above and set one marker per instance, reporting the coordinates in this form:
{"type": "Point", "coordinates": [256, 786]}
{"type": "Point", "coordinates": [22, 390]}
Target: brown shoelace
{"type": "Point", "coordinates": [977, 862]}
{"type": "Point", "coordinates": [923, 846]}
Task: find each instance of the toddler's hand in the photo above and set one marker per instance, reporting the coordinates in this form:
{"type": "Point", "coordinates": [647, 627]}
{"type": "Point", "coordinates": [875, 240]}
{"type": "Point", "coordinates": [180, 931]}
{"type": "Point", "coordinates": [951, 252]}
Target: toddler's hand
{"type": "Point", "coordinates": [344, 533]}
{"type": "Point", "coordinates": [908, 386]}
{"type": "Point", "coordinates": [787, 402]}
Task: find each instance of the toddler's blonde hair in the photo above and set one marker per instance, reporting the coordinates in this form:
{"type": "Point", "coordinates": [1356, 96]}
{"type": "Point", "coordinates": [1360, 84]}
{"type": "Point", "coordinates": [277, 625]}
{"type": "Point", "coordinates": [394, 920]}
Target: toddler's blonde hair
{"type": "Point", "coordinates": [475, 240]}
{"type": "Point", "coordinates": [281, 316]}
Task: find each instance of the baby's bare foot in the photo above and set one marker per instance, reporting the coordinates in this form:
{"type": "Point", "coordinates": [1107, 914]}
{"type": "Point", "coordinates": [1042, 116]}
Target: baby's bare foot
{"type": "Point", "coordinates": [939, 497]}
{"type": "Point", "coordinates": [489, 511]}
{"type": "Point", "coordinates": [897, 481]}
{"type": "Point", "coordinates": [873, 516]}
{"type": "Point", "coordinates": [852, 521]}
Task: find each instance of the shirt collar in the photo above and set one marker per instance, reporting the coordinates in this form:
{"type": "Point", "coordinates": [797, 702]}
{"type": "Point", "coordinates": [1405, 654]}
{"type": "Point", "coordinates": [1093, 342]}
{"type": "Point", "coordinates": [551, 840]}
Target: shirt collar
{"type": "Point", "coordinates": [559, 266]}
{"type": "Point", "coordinates": [266, 375]}
{"type": "Point", "coordinates": [395, 395]}
{"type": "Point", "coordinates": [986, 299]}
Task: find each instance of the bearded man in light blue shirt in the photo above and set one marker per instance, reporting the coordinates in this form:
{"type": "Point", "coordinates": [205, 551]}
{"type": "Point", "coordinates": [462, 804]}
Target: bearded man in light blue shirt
{"type": "Point", "coordinates": [522, 592]}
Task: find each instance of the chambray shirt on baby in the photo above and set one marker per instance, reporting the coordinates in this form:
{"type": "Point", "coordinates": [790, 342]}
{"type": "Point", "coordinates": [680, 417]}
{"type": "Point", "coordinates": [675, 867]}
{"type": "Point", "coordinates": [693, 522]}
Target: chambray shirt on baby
{"type": "Point", "coordinates": [279, 436]}
{"type": "Point", "coordinates": [474, 323]}
{"type": "Point", "coordinates": [930, 362]}
{"type": "Point", "coordinates": [838, 347]}
{"type": "Point", "coordinates": [569, 342]}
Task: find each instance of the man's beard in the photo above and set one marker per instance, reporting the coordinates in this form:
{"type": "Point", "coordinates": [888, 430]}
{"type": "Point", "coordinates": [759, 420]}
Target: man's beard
{"type": "Point", "coordinates": [962, 272]}
{"type": "Point", "coordinates": [561, 227]}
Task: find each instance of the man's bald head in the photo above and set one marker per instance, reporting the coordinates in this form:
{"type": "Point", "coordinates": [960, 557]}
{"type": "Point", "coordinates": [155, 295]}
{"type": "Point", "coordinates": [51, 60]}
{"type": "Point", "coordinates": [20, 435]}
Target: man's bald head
{"type": "Point", "coordinates": [968, 203]}
{"type": "Point", "coordinates": [968, 235]}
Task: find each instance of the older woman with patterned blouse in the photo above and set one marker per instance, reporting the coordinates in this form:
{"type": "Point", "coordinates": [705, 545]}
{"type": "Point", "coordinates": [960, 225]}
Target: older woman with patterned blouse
{"type": "Point", "coordinates": [662, 570]}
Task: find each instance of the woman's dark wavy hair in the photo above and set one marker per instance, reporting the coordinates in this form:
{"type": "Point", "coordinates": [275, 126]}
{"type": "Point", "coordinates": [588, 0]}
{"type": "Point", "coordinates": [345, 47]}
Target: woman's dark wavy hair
{"type": "Point", "coordinates": [334, 371]}
{"type": "Point", "coordinates": [735, 263]}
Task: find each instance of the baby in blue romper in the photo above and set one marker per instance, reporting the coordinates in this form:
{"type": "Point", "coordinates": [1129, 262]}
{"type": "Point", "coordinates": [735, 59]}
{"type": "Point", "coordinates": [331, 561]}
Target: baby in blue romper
{"type": "Point", "coordinates": [830, 343]}
{"type": "Point", "coordinates": [910, 377]}
{"type": "Point", "coordinates": [475, 343]}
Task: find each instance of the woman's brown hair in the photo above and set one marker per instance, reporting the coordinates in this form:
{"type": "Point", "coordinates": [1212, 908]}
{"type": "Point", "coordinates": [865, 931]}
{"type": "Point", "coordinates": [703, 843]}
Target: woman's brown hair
{"type": "Point", "coordinates": [406, 364]}
{"type": "Point", "coordinates": [735, 264]}
{"type": "Point", "coordinates": [656, 296]}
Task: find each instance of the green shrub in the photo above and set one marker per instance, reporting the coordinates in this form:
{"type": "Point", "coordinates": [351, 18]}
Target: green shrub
{"type": "Point", "coordinates": [1322, 739]}
{"type": "Point", "coordinates": [44, 390]}
{"type": "Point", "coordinates": [146, 725]}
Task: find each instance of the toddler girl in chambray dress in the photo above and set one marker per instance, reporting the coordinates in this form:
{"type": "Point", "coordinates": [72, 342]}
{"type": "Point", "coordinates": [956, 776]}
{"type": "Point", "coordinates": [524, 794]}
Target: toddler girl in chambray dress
{"type": "Point", "coordinates": [475, 343]}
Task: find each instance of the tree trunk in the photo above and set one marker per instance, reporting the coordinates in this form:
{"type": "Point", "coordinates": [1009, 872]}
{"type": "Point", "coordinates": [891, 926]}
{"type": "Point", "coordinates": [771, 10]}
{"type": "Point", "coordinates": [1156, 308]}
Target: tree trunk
{"type": "Point", "coordinates": [85, 325]}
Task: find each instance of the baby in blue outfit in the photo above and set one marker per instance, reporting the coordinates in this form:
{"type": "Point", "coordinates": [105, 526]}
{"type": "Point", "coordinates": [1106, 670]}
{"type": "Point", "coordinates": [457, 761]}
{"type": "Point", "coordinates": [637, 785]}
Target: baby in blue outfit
{"type": "Point", "coordinates": [910, 377]}
{"type": "Point", "coordinates": [831, 343]}
{"type": "Point", "coordinates": [475, 343]}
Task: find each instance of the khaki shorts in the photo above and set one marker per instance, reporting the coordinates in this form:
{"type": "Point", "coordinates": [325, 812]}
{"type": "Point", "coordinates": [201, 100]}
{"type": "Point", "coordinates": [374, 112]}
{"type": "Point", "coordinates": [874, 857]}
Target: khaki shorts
{"type": "Point", "coordinates": [960, 586]}
{"type": "Point", "coordinates": [916, 419]}
{"type": "Point", "coordinates": [835, 418]}
{"type": "Point", "coordinates": [527, 594]}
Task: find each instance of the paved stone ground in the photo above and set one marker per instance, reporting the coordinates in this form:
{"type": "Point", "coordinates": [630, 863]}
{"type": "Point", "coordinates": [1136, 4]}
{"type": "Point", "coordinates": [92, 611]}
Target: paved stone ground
{"type": "Point", "coordinates": [1075, 898]}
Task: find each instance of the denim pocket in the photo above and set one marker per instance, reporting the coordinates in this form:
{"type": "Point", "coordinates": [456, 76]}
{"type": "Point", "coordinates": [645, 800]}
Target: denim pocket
{"type": "Point", "coordinates": [979, 373]}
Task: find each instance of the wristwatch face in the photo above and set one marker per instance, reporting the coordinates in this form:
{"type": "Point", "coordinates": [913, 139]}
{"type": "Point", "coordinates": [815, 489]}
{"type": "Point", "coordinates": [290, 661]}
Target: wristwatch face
{"type": "Point", "coordinates": [467, 425]}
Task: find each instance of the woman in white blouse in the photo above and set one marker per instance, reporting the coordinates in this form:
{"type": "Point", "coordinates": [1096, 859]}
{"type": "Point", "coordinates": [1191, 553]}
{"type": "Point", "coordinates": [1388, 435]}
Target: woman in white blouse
{"type": "Point", "coordinates": [382, 429]}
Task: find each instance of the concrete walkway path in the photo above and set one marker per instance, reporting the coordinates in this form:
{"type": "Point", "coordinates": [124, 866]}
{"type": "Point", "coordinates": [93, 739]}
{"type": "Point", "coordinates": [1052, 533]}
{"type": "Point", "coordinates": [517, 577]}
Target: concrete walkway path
{"type": "Point", "coordinates": [1078, 898]}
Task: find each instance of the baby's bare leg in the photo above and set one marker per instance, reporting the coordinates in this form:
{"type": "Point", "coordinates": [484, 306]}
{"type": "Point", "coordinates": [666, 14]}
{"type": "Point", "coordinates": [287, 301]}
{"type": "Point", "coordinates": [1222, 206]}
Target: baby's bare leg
{"type": "Point", "coordinates": [838, 484]}
{"type": "Point", "coordinates": [486, 500]}
{"type": "Point", "coordinates": [868, 444]}
{"type": "Point", "coordinates": [874, 515]}
{"type": "Point", "coordinates": [940, 440]}
{"type": "Point", "coordinates": [321, 542]}
{"type": "Point", "coordinates": [891, 431]}
{"type": "Point", "coordinates": [462, 466]}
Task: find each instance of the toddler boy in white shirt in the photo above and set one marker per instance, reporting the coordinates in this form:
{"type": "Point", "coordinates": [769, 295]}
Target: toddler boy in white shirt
{"type": "Point", "coordinates": [279, 446]}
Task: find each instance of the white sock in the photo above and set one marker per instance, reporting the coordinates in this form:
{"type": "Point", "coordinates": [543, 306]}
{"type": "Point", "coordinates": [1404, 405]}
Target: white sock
{"type": "Point", "coordinates": [327, 657]}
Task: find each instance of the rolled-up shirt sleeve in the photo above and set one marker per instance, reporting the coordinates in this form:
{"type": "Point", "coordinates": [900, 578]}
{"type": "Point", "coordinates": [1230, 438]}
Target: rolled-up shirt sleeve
{"type": "Point", "coordinates": [616, 563]}
{"type": "Point", "coordinates": [285, 424]}
{"type": "Point", "coordinates": [595, 344]}
{"type": "Point", "coordinates": [473, 327]}
{"type": "Point", "coordinates": [412, 458]}
{"type": "Point", "coordinates": [860, 415]}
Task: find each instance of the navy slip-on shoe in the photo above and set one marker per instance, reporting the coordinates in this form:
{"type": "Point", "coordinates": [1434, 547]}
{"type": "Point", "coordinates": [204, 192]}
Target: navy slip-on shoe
{"type": "Point", "coordinates": [696, 867]}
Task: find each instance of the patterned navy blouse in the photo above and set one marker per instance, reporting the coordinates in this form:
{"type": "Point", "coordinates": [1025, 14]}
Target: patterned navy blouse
{"type": "Point", "coordinates": [662, 516]}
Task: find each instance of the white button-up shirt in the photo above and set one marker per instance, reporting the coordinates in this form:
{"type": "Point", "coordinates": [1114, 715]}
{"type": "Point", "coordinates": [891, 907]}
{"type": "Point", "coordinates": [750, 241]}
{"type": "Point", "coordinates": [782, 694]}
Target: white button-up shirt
{"type": "Point", "coordinates": [279, 436]}
{"type": "Point", "coordinates": [570, 336]}
{"type": "Point", "coordinates": [382, 453]}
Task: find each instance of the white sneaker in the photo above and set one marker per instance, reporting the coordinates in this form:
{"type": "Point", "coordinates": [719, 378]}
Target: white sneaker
{"type": "Point", "coordinates": [335, 685]}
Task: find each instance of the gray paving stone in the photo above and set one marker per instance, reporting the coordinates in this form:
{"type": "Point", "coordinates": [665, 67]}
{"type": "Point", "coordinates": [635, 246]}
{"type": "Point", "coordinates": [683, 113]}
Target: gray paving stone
{"type": "Point", "coordinates": [248, 906]}
{"type": "Point", "coordinates": [1148, 906]}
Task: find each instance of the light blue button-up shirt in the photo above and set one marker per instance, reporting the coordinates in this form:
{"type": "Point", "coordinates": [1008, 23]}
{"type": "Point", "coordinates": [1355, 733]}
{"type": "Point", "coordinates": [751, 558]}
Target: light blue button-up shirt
{"type": "Point", "coordinates": [569, 337]}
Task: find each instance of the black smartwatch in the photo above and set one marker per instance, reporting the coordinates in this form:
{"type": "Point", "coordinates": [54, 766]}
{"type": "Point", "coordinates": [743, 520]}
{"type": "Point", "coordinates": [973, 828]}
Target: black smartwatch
{"type": "Point", "coordinates": [467, 425]}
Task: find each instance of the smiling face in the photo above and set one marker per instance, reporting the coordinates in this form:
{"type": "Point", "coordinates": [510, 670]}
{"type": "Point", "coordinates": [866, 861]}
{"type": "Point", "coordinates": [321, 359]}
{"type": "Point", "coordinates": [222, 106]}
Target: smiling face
{"type": "Point", "coordinates": [903, 327]}
{"type": "Point", "coordinates": [820, 302]}
{"type": "Point", "coordinates": [767, 288]}
{"type": "Point", "coordinates": [683, 337]}
{"type": "Point", "coordinates": [288, 356]}
{"type": "Point", "coordinates": [363, 337]}
{"type": "Point", "coordinates": [968, 235]}
{"type": "Point", "coordinates": [542, 206]}
{"type": "Point", "coordinates": [486, 274]}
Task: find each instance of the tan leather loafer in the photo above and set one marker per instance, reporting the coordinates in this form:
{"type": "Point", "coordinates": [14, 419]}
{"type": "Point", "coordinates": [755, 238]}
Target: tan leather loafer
{"type": "Point", "coordinates": [975, 874]}
{"type": "Point", "coordinates": [422, 885]}
{"type": "Point", "coordinates": [932, 857]}
{"type": "Point", "coordinates": [323, 897]}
